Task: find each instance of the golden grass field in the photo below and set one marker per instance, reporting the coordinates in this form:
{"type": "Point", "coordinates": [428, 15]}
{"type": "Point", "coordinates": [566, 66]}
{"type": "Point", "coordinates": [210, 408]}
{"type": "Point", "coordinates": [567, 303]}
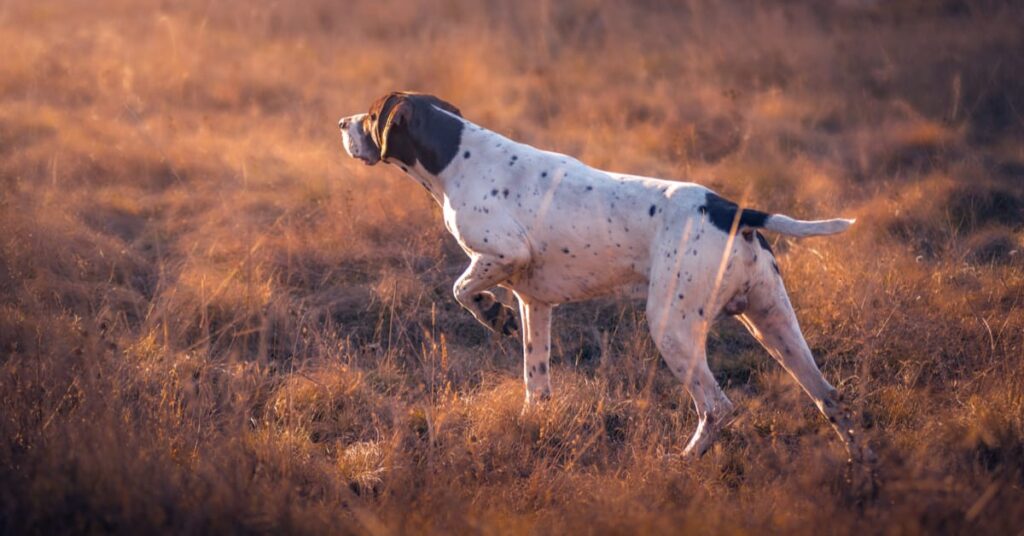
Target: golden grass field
{"type": "Point", "coordinates": [213, 321]}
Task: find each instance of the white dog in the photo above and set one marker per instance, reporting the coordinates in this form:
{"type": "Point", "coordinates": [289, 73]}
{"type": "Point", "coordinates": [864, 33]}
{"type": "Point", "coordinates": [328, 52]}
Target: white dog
{"type": "Point", "coordinates": [554, 230]}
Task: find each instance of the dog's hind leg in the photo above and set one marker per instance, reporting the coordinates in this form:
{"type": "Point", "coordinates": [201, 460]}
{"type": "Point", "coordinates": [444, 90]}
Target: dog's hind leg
{"type": "Point", "coordinates": [680, 333]}
{"type": "Point", "coordinates": [771, 320]}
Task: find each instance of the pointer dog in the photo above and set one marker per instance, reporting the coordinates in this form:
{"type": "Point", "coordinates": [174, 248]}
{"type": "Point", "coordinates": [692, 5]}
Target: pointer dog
{"type": "Point", "coordinates": [553, 230]}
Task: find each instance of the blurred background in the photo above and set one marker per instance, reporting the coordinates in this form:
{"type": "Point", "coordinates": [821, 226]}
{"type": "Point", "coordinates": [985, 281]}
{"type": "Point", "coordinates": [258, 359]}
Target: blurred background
{"type": "Point", "coordinates": [212, 320]}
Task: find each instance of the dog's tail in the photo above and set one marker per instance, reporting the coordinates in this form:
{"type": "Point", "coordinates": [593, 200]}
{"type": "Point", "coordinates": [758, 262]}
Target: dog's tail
{"type": "Point", "coordinates": [723, 214]}
{"type": "Point", "coordinates": [781, 223]}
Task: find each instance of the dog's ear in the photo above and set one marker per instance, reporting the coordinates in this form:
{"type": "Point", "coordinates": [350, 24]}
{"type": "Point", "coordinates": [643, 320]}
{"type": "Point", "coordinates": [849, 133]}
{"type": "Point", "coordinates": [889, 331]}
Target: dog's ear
{"type": "Point", "coordinates": [420, 128]}
{"type": "Point", "coordinates": [398, 115]}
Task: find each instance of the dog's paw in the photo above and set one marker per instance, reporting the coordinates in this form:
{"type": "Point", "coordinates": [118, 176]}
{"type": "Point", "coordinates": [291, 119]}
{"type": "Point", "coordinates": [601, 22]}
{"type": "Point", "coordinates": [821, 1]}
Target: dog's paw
{"type": "Point", "coordinates": [511, 326]}
{"type": "Point", "coordinates": [497, 316]}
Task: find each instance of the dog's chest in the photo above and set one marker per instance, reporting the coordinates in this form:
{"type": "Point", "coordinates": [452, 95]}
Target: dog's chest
{"type": "Point", "coordinates": [451, 221]}
{"type": "Point", "coordinates": [478, 226]}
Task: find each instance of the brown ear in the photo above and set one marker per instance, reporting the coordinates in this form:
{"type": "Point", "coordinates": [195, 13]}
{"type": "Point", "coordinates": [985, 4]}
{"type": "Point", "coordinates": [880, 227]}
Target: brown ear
{"type": "Point", "coordinates": [399, 115]}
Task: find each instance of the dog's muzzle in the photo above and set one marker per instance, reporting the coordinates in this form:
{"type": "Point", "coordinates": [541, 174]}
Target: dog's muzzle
{"type": "Point", "coordinates": [355, 141]}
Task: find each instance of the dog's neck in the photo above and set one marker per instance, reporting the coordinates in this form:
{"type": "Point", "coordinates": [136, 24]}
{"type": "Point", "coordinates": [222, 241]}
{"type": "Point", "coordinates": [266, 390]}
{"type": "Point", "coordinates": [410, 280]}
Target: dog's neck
{"type": "Point", "coordinates": [475, 143]}
{"type": "Point", "coordinates": [434, 184]}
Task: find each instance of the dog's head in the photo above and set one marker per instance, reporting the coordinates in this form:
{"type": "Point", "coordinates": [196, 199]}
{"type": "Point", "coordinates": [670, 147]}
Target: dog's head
{"type": "Point", "coordinates": [406, 128]}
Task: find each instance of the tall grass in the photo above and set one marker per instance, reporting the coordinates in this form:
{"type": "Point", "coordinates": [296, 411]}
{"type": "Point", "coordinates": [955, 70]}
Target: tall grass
{"type": "Point", "coordinates": [212, 321]}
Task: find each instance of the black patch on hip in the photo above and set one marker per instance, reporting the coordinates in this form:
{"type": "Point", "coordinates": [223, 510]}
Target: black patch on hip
{"type": "Point", "coordinates": [722, 213]}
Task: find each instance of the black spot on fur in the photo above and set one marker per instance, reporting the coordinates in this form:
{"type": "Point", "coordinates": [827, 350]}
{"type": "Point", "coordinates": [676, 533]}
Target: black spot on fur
{"type": "Point", "coordinates": [651, 210]}
{"type": "Point", "coordinates": [505, 193]}
{"type": "Point", "coordinates": [542, 368]}
{"type": "Point", "coordinates": [722, 213]}
{"type": "Point", "coordinates": [764, 243]}
{"type": "Point", "coordinates": [529, 348]}
{"type": "Point", "coordinates": [736, 306]}
{"type": "Point", "coordinates": [700, 311]}
{"type": "Point", "coordinates": [589, 188]}
{"type": "Point", "coordinates": [494, 192]}
{"type": "Point", "coordinates": [565, 250]}
{"type": "Point", "coordinates": [543, 173]}
{"type": "Point", "coordinates": [465, 154]}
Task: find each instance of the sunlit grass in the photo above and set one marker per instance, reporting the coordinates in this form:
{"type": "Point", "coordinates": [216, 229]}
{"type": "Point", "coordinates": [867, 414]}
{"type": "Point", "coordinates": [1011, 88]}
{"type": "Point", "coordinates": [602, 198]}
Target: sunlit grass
{"type": "Point", "coordinates": [213, 321]}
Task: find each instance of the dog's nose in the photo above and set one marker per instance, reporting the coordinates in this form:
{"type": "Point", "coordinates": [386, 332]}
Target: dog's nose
{"type": "Point", "coordinates": [343, 124]}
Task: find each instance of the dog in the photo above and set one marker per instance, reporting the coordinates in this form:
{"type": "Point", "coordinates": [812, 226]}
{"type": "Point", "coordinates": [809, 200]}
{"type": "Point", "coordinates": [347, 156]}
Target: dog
{"type": "Point", "coordinates": [554, 230]}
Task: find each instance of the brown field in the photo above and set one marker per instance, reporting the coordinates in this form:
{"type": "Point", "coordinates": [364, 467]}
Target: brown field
{"type": "Point", "coordinates": [212, 321]}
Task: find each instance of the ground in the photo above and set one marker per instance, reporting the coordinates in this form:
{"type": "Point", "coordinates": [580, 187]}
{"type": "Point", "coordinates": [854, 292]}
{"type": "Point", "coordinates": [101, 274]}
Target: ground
{"type": "Point", "coordinates": [211, 320]}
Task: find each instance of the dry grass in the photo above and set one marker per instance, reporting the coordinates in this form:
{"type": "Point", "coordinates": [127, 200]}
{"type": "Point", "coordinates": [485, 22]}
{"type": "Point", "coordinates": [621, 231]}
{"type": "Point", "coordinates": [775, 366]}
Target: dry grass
{"type": "Point", "coordinates": [212, 321]}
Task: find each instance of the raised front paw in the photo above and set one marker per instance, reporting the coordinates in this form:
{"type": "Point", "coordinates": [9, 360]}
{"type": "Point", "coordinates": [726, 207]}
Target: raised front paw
{"type": "Point", "coordinates": [497, 316]}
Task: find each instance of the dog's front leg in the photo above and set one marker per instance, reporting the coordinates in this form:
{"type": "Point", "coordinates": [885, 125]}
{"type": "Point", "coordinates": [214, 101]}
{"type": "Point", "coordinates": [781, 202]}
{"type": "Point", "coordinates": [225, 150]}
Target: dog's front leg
{"type": "Point", "coordinates": [536, 318]}
{"type": "Point", "coordinates": [485, 272]}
